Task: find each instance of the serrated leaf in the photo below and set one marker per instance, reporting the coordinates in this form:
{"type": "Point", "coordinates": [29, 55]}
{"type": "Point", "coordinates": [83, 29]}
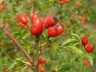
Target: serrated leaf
{"type": "Point", "coordinates": [68, 41]}
{"type": "Point", "coordinates": [76, 50]}
{"type": "Point", "coordinates": [76, 36]}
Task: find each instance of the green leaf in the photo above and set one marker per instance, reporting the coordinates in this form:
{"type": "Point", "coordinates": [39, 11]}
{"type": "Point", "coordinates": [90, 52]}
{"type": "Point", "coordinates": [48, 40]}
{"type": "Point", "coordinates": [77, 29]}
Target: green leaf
{"type": "Point", "coordinates": [76, 50]}
{"type": "Point", "coordinates": [76, 36]}
{"type": "Point", "coordinates": [68, 41]}
{"type": "Point", "coordinates": [65, 67]}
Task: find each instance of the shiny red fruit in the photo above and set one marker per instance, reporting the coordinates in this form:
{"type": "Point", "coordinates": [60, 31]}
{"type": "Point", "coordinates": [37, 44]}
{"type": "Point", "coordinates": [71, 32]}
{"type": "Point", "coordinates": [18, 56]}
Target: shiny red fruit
{"type": "Point", "coordinates": [42, 69]}
{"type": "Point", "coordinates": [66, 1]}
{"type": "Point", "coordinates": [86, 62]}
{"type": "Point", "coordinates": [34, 17]}
{"type": "Point", "coordinates": [50, 21]}
{"type": "Point", "coordinates": [83, 20]}
{"type": "Point", "coordinates": [52, 32]}
{"type": "Point", "coordinates": [1, 6]}
{"type": "Point", "coordinates": [84, 41]}
{"type": "Point", "coordinates": [37, 28]}
{"type": "Point", "coordinates": [89, 48]}
{"type": "Point", "coordinates": [23, 18]}
{"type": "Point", "coordinates": [42, 60]}
{"type": "Point", "coordinates": [60, 29]}
{"type": "Point", "coordinates": [6, 70]}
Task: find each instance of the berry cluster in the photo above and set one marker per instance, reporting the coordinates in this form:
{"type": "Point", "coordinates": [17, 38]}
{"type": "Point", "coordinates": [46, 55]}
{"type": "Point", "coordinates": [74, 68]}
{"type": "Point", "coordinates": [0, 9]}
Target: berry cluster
{"type": "Point", "coordinates": [49, 22]}
{"type": "Point", "coordinates": [23, 19]}
{"type": "Point", "coordinates": [88, 47]}
{"type": "Point", "coordinates": [38, 24]}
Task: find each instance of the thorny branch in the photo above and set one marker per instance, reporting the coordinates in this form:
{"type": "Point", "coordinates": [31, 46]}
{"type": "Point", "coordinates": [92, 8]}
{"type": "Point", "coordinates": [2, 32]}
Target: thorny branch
{"type": "Point", "coordinates": [17, 43]}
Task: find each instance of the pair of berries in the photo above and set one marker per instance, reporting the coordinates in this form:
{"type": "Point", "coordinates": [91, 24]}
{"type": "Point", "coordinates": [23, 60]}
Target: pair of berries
{"type": "Point", "coordinates": [88, 47]}
{"type": "Point", "coordinates": [42, 61]}
{"type": "Point", "coordinates": [63, 1]}
{"type": "Point", "coordinates": [49, 23]}
{"type": "Point", "coordinates": [23, 19]}
{"type": "Point", "coordinates": [37, 24]}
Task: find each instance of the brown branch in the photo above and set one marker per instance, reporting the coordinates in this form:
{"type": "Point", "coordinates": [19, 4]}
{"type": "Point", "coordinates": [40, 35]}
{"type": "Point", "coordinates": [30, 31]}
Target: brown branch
{"type": "Point", "coordinates": [92, 68]}
{"type": "Point", "coordinates": [17, 43]}
{"type": "Point", "coordinates": [38, 55]}
{"type": "Point", "coordinates": [32, 8]}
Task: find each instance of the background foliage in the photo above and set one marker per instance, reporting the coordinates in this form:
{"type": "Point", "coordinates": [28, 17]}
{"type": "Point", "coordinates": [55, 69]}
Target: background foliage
{"type": "Point", "coordinates": [65, 52]}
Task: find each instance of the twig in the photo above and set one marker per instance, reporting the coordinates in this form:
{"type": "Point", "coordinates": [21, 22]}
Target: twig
{"type": "Point", "coordinates": [38, 55]}
{"type": "Point", "coordinates": [17, 43]}
{"type": "Point", "coordinates": [32, 8]}
{"type": "Point", "coordinates": [92, 68]}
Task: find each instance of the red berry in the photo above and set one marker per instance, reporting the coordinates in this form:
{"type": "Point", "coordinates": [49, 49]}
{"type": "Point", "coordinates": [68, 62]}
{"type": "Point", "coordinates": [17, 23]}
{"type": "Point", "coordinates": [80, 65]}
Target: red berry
{"type": "Point", "coordinates": [37, 28]}
{"type": "Point", "coordinates": [6, 70]}
{"type": "Point", "coordinates": [60, 29]}
{"type": "Point", "coordinates": [83, 20]}
{"type": "Point", "coordinates": [66, 1]}
{"type": "Point", "coordinates": [77, 3]}
{"type": "Point", "coordinates": [50, 21]}
{"type": "Point", "coordinates": [23, 18]}
{"type": "Point", "coordinates": [61, 2]}
{"type": "Point", "coordinates": [84, 41]}
{"type": "Point", "coordinates": [42, 69]}
{"type": "Point", "coordinates": [0, 6]}
{"type": "Point", "coordinates": [34, 17]}
{"type": "Point", "coordinates": [86, 62]}
{"type": "Point", "coordinates": [52, 32]}
{"type": "Point", "coordinates": [94, 2]}
{"type": "Point", "coordinates": [89, 48]}
{"type": "Point", "coordinates": [42, 60]}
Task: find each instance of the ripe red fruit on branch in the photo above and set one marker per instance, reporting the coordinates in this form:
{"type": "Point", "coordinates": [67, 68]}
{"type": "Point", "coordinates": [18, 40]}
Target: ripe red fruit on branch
{"type": "Point", "coordinates": [86, 62]}
{"type": "Point", "coordinates": [66, 1]}
{"type": "Point", "coordinates": [52, 32]}
{"type": "Point", "coordinates": [60, 29]}
{"type": "Point", "coordinates": [42, 60]}
{"type": "Point", "coordinates": [61, 2]}
{"type": "Point", "coordinates": [89, 48]}
{"type": "Point", "coordinates": [23, 18]}
{"type": "Point", "coordinates": [37, 28]}
{"type": "Point", "coordinates": [0, 6]}
{"type": "Point", "coordinates": [42, 69]}
{"type": "Point", "coordinates": [83, 20]}
{"type": "Point", "coordinates": [77, 3]}
{"type": "Point", "coordinates": [55, 30]}
{"type": "Point", "coordinates": [84, 41]}
{"type": "Point", "coordinates": [6, 70]}
{"type": "Point", "coordinates": [50, 20]}
{"type": "Point", "coordinates": [34, 17]}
